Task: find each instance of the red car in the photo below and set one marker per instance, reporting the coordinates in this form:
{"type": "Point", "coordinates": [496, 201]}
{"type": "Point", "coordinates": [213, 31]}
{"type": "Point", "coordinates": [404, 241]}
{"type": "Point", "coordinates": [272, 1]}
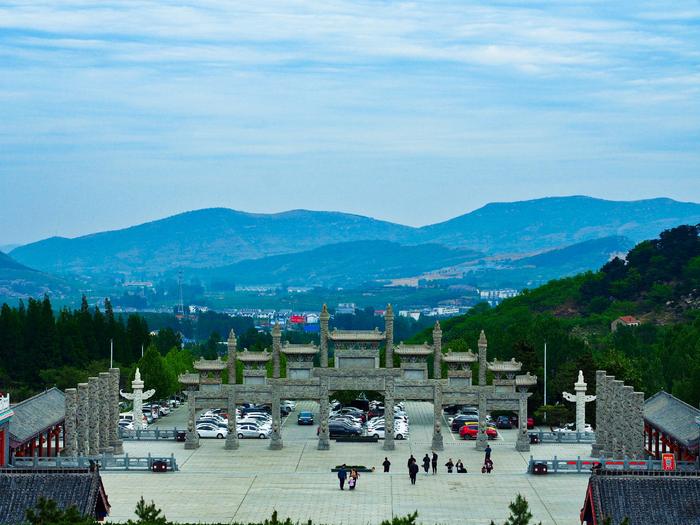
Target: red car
{"type": "Point", "coordinates": [471, 431]}
{"type": "Point", "coordinates": [530, 422]}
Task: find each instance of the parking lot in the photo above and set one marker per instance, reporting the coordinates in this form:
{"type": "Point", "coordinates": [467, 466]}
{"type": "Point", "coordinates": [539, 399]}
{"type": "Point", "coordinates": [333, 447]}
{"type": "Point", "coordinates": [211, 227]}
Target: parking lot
{"type": "Point", "coordinates": [249, 483]}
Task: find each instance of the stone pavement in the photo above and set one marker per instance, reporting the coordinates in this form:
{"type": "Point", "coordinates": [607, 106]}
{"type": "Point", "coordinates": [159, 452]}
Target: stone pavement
{"type": "Point", "coordinates": [245, 485]}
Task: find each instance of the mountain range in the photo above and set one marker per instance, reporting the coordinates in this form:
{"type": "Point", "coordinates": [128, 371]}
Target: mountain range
{"type": "Point", "coordinates": [336, 248]}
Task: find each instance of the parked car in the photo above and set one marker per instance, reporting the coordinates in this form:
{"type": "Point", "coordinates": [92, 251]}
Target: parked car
{"type": "Point", "coordinates": [289, 403]}
{"type": "Point", "coordinates": [400, 432]}
{"type": "Point", "coordinates": [305, 418]}
{"type": "Point", "coordinates": [336, 429]}
{"type": "Point", "coordinates": [459, 421]}
{"type": "Point", "coordinates": [503, 422]}
{"type": "Point", "coordinates": [252, 431]}
{"type": "Point", "coordinates": [209, 421]}
{"type": "Point", "coordinates": [126, 425]}
{"type": "Point", "coordinates": [571, 427]}
{"type": "Point", "coordinates": [470, 431]}
{"type": "Point", "coordinates": [129, 416]}
{"type": "Point", "coordinates": [208, 430]}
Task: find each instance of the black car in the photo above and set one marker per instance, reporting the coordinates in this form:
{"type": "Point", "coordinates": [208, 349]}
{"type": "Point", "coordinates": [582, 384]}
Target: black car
{"type": "Point", "coordinates": [305, 418]}
{"type": "Point", "coordinates": [459, 422]}
{"type": "Point", "coordinates": [503, 422]}
{"type": "Point", "coordinates": [339, 429]}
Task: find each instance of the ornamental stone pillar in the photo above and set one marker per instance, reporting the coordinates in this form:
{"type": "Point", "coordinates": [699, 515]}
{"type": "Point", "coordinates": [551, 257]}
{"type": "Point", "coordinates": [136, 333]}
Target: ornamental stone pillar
{"type": "Point", "coordinates": [437, 417]}
{"type": "Point", "coordinates": [389, 331]}
{"type": "Point", "coordinates": [116, 443]}
{"type": "Point", "coordinates": [437, 351]}
{"type": "Point", "coordinates": [483, 344]}
{"type": "Point", "coordinates": [597, 449]}
{"type": "Point", "coordinates": [324, 442]}
{"type": "Point", "coordinates": [389, 413]}
{"type": "Point", "coordinates": [626, 422]}
{"type": "Point", "coordinates": [104, 381]}
{"type": "Point", "coordinates": [70, 436]}
{"type": "Point", "coordinates": [523, 442]}
{"type": "Point", "coordinates": [231, 363]}
{"type": "Point", "coordinates": [94, 416]}
{"type": "Point", "coordinates": [324, 318]}
{"type": "Point", "coordinates": [637, 423]}
{"type": "Point", "coordinates": [481, 437]}
{"type": "Point", "coordinates": [276, 349]}
{"type": "Point", "coordinates": [276, 436]}
{"type": "Point", "coordinates": [191, 438]}
{"type": "Point", "coordinates": [580, 398]}
{"type": "Point", "coordinates": [83, 423]}
{"type": "Point", "coordinates": [232, 436]}
{"type": "Point", "coordinates": [617, 418]}
{"type": "Point", "coordinates": [609, 413]}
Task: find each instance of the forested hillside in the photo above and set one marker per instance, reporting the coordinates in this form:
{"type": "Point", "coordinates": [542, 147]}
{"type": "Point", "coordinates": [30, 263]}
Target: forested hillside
{"type": "Point", "coordinates": [658, 282]}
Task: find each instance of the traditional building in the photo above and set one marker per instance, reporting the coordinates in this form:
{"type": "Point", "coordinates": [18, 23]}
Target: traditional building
{"type": "Point", "coordinates": [625, 320]}
{"type": "Point", "coordinates": [67, 487]}
{"type": "Point", "coordinates": [642, 497]}
{"type": "Point", "coordinates": [5, 419]}
{"type": "Point", "coordinates": [37, 425]}
{"type": "Point", "coordinates": [671, 425]}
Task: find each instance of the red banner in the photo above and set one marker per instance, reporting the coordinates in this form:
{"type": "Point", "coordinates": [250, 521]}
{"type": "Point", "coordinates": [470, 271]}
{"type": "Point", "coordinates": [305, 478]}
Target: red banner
{"type": "Point", "coordinates": [668, 462]}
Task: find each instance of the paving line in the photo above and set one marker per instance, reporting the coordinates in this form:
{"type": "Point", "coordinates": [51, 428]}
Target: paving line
{"type": "Point", "coordinates": [233, 519]}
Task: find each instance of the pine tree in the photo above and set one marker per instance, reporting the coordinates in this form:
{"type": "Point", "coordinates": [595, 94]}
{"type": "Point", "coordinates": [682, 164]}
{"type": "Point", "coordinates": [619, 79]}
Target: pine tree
{"type": "Point", "coordinates": [519, 512]}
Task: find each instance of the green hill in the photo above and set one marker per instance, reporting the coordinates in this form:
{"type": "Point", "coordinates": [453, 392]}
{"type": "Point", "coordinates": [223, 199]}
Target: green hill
{"type": "Point", "coordinates": [659, 282]}
{"type": "Point", "coordinates": [18, 280]}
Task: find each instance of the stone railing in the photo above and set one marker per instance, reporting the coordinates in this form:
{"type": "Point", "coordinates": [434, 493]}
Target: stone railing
{"type": "Point", "coordinates": [585, 466]}
{"type": "Point", "coordinates": [105, 462]}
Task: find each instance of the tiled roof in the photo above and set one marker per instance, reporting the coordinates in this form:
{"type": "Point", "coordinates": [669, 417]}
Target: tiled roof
{"type": "Point", "coordinates": [460, 357]}
{"type": "Point", "coordinates": [504, 366]}
{"type": "Point", "coordinates": [209, 364]}
{"type": "Point", "coordinates": [302, 349]}
{"type": "Point", "coordinates": [423, 349]}
{"type": "Point", "coordinates": [655, 498]}
{"type": "Point", "coordinates": [253, 357]}
{"type": "Point", "coordinates": [36, 414]}
{"type": "Point", "coordinates": [22, 488]}
{"type": "Point", "coordinates": [356, 335]}
{"type": "Point", "coordinates": [673, 417]}
{"type": "Point", "coordinates": [189, 379]}
{"type": "Point", "coordinates": [629, 319]}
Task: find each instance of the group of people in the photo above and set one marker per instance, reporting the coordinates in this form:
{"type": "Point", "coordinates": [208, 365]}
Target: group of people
{"type": "Point", "coordinates": [413, 468]}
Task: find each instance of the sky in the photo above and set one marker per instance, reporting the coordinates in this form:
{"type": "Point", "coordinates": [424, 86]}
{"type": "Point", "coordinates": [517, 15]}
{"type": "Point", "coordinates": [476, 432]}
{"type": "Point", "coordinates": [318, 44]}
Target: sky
{"type": "Point", "coordinates": [116, 113]}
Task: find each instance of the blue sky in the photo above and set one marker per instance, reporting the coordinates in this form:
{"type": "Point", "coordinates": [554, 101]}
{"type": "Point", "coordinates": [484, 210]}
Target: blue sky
{"type": "Point", "coordinates": [114, 113]}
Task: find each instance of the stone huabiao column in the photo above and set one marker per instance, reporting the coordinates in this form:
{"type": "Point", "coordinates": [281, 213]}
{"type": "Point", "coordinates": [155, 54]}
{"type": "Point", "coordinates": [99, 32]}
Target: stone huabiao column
{"type": "Point", "coordinates": [138, 396]}
{"type": "Point", "coordinates": [580, 398]}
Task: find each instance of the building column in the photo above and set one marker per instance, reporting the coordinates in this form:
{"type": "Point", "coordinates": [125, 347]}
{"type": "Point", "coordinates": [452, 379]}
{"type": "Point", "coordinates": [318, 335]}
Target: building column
{"type": "Point", "coordinates": [276, 436]}
{"type": "Point", "coordinates": [597, 449]}
{"type": "Point", "coordinates": [483, 345]}
{"type": "Point", "coordinates": [523, 442]}
{"type": "Point", "coordinates": [437, 351]}
{"type": "Point", "coordinates": [324, 318]}
{"type": "Point", "coordinates": [438, 443]}
{"type": "Point", "coordinates": [191, 438]}
{"type": "Point", "coordinates": [637, 425]}
{"type": "Point", "coordinates": [389, 413]}
{"type": "Point", "coordinates": [57, 447]}
{"type": "Point", "coordinates": [83, 420]}
{"type": "Point", "coordinates": [105, 413]}
{"type": "Point", "coordinates": [49, 436]}
{"type": "Point", "coordinates": [276, 350]}
{"type": "Point", "coordinates": [70, 436]}
{"type": "Point", "coordinates": [114, 441]}
{"type": "Point", "coordinates": [232, 436]}
{"type": "Point", "coordinates": [94, 415]}
{"type": "Point", "coordinates": [481, 438]}
{"type": "Point", "coordinates": [618, 415]}
{"type": "Point", "coordinates": [389, 332]}
{"type": "Point", "coordinates": [324, 442]}
{"type": "Point", "coordinates": [231, 344]}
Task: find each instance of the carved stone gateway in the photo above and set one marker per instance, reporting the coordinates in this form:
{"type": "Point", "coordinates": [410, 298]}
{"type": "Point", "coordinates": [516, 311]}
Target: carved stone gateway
{"type": "Point", "coordinates": [357, 367]}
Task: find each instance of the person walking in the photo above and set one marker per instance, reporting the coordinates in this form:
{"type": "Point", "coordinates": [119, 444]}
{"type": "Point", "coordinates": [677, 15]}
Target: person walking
{"type": "Point", "coordinates": [426, 463]}
{"type": "Point", "coordinates": [487, 453]}
{"type": "Point", "coordinates": [342, 476]}
{"type": "Point", "coordinates": [460, 467]}
{"type": "Point", "coordinates": [386, 464]}
{"type": "Point", "coordinates": [410, 461]}
{"type": "Point", "coordinates": [449, 466]}
{"type": "Point", "coordinates": [354, 475]}
{"type": "Point", "coordinates": [434, 462]}
{"type": "Point", "coordinates": [413, 472]}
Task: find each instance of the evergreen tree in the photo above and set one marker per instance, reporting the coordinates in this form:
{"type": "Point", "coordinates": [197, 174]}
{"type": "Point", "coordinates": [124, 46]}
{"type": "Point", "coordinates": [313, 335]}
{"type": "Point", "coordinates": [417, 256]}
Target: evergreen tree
{"type": "Point", "coordinates": [155, 374]}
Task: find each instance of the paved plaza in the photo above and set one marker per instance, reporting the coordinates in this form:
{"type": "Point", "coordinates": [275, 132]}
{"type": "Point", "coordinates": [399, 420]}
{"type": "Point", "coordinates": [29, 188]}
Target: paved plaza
{"type": "Point", "coordinates": [248, 484]}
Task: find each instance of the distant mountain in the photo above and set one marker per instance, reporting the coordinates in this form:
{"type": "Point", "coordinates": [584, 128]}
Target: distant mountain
{"type": "Point", "coordinates": [219, 237]}
{"type": "Point", "coordinates": [344, 264]}
{"type": "Point", "coordinates": [203, 238]}
{"type": "Point", "coordinates": [17, 280]}
{"type": "Point", "coordinates": [555, 222]}
{"type": "Point", "coordinates": [580, 257]}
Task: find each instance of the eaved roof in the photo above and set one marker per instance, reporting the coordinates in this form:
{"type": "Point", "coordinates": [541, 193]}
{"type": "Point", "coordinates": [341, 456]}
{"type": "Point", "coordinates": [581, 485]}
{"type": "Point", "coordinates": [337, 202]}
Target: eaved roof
{"type": "Point", "coordinates": [299, 349]}
{"type": "Point", "coordinates": [253, 357]}
{"type": "Point", "coordinates": [189, 379]}
{"type": "Point", "coordinates": [504, 366]}
{"type": "Point", "coordinates": [22, 488]}
{"type": "Point", "coordinates": [460, 357]}
{"type": "Point", "coordinates": [673, 417]}
{"type": "Point", "coordinates": [209, 364]}
{"type": "Point", "coordinates": [425, 349]}
{"type": "Point", "coordinates": [643, 497]}
{"type": "Point", "coordinates": [36, 414]}
{"type": "Point", "coordinates": [629, 319]}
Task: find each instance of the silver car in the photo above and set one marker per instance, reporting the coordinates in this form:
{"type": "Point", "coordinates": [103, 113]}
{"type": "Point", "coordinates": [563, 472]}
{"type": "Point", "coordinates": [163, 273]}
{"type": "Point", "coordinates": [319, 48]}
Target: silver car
{"type": "Point", "coordinates": [248, 430]}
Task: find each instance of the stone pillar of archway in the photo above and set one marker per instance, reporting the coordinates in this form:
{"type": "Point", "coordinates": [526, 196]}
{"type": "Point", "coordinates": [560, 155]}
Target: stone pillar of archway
{"type": "Point", "coordinates": [276, 436]}
{"type": "Point", "coordinates": [232, 436]}
{"type": "Point", "coordinates": [191, 439]}
{"type": "Point", "coordinates": [389, 332]}
{"type": "Point", "coordinates": [324, 442]}
{"type": "Point", "coordinates": [437, 417]}
{"type": "Point", "coordinates": [323, 321]}
{"type": "Point", "coordinates": [389, 414]}
{"type": "Point", "coordinates": [70, 435]}
{"type": "Point", "coordinates": [482, 438]}
{"type": "Point", "coordinates": [522, 444]}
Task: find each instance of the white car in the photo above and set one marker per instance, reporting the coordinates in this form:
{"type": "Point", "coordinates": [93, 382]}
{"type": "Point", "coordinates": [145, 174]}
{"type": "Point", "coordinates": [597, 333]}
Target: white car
{"type": "Point", "coordinates": [249, 430]}
{"type": "Point", "coordinates": [126, 425]}
{"type": "Point", "coordinates": [207, 430]}
{"type": "Point", "coordinates": [254, 422]}
{"type": "Point", "coordinates": [571, 427]}
{"type": "Point", "coordinates": [400, 432]}
{"type": "Point", "coordinates": [289, 403]}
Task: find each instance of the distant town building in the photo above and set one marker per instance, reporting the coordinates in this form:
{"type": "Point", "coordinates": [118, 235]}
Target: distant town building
{"type": "Point", "coordinates": [413, 314]}
{"type": "Point", "coordinates": [625, 320]}
{"type": "Point", "coordinates": [494, 297]}
{"type": "Point", "coordinates": [345, 309]}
